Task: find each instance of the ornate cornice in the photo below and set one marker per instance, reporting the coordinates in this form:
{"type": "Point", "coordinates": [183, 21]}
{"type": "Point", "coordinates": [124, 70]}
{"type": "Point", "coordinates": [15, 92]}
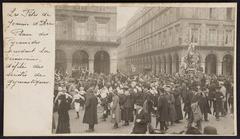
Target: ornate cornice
{"type": "Point", "coordinates": [177, 48]}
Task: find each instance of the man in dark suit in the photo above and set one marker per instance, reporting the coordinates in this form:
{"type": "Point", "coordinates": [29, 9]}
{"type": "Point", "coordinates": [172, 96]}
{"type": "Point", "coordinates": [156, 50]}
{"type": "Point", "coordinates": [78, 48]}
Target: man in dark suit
{"type": "Point", "coordinates": [127, 105]}
{"type": "Point", "coordinates": [218, 102]}
{"type": "Point", "coordinates": [163, 109]}
{"type": "Point", "coordinates": [90, 115]}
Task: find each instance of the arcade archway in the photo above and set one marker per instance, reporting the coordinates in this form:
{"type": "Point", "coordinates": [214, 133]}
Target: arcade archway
{"type": "Point", "coordinates": [211, 64]}
{"type": "Point", "coordinates": [60, 61]}
{"type": "Point", "coordinates": [79, 62]}
{"type": "Point", "coordinates": [176, 63]}
{"type": "Point", "coordinates": [164, 65]}
{"type": "Point", "coordinates": [169, 64]}
{"type": "Point", "coordinates": [227, 65]}
{"type": "Point", "coordinates": [102, 62]}
{"type": "Point", "coordinates": [159, 65]}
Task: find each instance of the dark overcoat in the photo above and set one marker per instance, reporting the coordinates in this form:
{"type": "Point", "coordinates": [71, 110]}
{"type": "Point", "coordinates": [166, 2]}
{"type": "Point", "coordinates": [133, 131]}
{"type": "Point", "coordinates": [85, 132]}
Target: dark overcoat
{"type": "Point", "coordinates": [128, 109]}
{"type": "Point", "coordinates": [172, 110]}
{"type": "Point", "coordinates": [203, 103]}
{"type": "Point", "coordinates": [90, 115]}
{"type": "Point", "coordinates": [218, 102]}
{"type": "Point", "coordinates": [184, 93]}
{"type": "Point", "coordinates": [116, 109]}
{"type": "Point", "coordinates": [188, 101]}
{"type": "Point", "coordinates": [63, 125]}
{"type": "Point", "coordinates": [140, 127]}
{"type": "Point", "coordinates": [122, 99]}
{"type": "Point", "coordinates": [131, 97]}
{"type": "Point", "coordinates": [178, 105]}
{"type": "Point", "coordinates": [163, 108]}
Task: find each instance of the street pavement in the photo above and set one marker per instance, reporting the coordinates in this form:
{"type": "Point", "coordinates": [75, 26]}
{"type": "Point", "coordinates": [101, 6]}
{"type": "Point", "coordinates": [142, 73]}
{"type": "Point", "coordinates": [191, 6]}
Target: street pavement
{"type": "Point", "coordinates": [225, 126]}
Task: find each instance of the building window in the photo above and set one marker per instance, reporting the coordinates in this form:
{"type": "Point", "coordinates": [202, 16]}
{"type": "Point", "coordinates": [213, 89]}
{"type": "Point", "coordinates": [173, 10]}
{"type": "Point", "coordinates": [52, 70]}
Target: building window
{"type": "Point", "coordinates": [164, 41]}
{"type": "Point", "coordinates": [212, 13]}
{"type": "Point", "coordinates": [195, 13]}
{"type": "Point", "coordinates": [177, 35]}
{"type": "Point", "coordinates": [170, 36]}
{"type": "Point", "coordinates": [102, 28]}
{"type": "Point", "coordinates": [155, 41]}
{"type": "Point", "coordinates": [81, 31]}
{"type": "Point", "coordinates": [159, 40]}
{"type": "Point", "coordinates": [178, 13]}
{"type": "Point", "coordinates": [194, 34]}
{"type": "Point", "coordinates": [212, 36]}
{"type": "Point", "coordinates": [61, 29]}
{"type": "Point", "coordinates": [81, 28]}
{"type": "Point", "coordinates": [146, 44]}
{"type": "Point", "coordinates": [228, 37]}
{"type": "Point", "coordinates": [101, 32]}
{"type": "Point", "coordinates": [229, 14]}
{"type": "Point", "coordinates": [170, 16]}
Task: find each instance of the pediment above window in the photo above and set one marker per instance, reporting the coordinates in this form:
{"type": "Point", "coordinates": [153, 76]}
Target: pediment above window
{"type": "Point", "coordinates": [80, 19]}
{"type": "Point", "coordinates": [61, 18]}
{"type": "Point", "coordinates": [102, 20]}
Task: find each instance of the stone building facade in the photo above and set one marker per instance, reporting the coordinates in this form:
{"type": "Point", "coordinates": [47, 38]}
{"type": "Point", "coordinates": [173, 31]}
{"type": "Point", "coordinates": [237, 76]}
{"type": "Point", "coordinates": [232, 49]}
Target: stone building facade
{"type": "Point", "coordinates": [157, 38]}
{"type": "Point", "coordinates": [121, 51]}
{"type": "Point", "coordinates": [86, 39]}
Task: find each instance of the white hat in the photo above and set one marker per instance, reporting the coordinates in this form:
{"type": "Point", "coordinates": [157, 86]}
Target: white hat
{"type": "Point", "coordinates": [59, 88]}
{"type": "Point", "coordinates": [103, 95]}
{"type": "Point", "coordinates": [81, 88]}
{"type": "Point", "coordinates": [221, 83]}
{"type": "Point", "coordinates": [75, 90]}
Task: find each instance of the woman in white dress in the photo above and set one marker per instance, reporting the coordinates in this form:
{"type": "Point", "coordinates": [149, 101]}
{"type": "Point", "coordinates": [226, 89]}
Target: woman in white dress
{"type": "Point", "coordinates": [76, 100]}
{"type": "Point", "coordinates": [82, 99]}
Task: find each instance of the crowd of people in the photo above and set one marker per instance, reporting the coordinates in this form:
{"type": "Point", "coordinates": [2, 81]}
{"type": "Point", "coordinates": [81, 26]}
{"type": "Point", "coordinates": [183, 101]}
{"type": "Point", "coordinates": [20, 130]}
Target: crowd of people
{"type": "Point", "coordinates": [140, 98]}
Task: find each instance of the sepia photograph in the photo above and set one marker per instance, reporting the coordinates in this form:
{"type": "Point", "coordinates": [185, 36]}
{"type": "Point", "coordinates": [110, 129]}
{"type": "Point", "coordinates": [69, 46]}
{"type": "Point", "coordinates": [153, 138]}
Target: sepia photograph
{"type": "Point", "coordinates": [148, 69]}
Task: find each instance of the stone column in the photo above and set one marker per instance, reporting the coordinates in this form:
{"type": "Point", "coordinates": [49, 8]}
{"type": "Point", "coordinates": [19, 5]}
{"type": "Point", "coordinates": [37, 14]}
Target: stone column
{"type": "Point", "coordinates": [174, 63]}
{"type": "Point", "coordinates": [160, 66]}
{"type": "Point", "coordinates": [219, 68]}
{"type": "Point", "coordinates": [156, 67]}
{"type": "Point", "coordinates": [203, 66]}
{"type": "Point", "coordinates": [91, 65]}
{"type": "Point", "coordinates": [113, 65]}
{"type": "Point", "coordinates": [139, 66]}
{"type": "Point", "coordinates": [168, 66]}
{"type": "Point", "coordinates": [180, 64]}
{"type": "Point", "coordinates": [70, 28]}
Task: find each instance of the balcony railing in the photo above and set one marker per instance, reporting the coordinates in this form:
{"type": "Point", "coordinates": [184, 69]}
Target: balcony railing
{"type": "Point", "coordinates": [99, 38]}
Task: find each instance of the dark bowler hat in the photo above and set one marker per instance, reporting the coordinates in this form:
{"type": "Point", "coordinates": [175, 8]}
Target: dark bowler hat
{"type": "Point", "coordinates": [210, 130]}
{"type": "Point", "coordinates": [192, 130]}
{"type": "Point", "coordinates": [218, 87]}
